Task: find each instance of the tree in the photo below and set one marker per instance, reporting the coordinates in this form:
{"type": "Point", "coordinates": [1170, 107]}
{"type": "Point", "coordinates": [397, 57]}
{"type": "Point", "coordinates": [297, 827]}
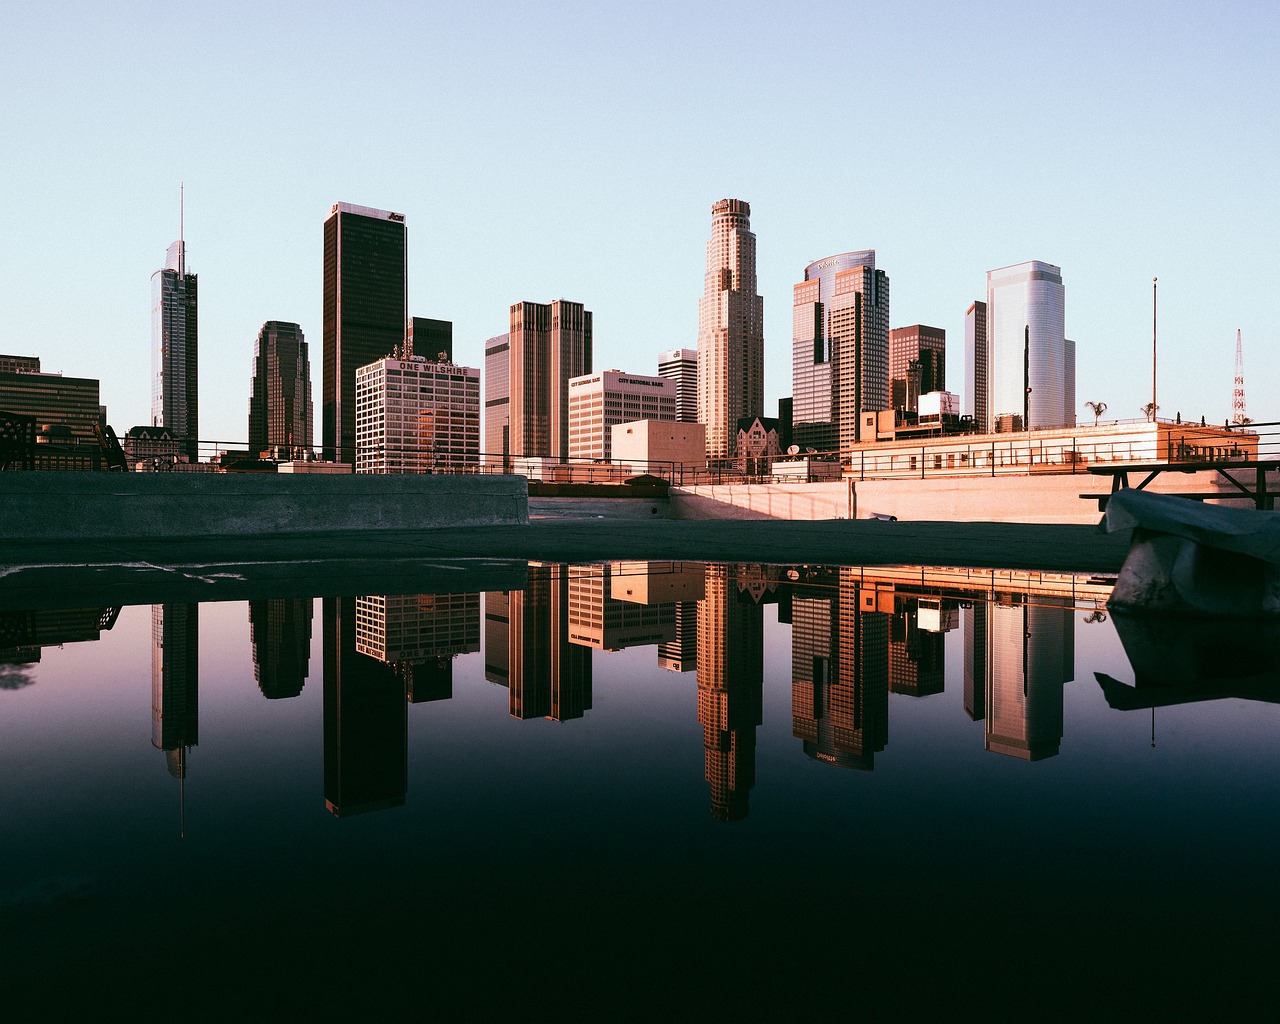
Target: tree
{"type": "Point", "coordinates": [1149, 411]}
{"type": "Point", "coordinates": [1097, 408]}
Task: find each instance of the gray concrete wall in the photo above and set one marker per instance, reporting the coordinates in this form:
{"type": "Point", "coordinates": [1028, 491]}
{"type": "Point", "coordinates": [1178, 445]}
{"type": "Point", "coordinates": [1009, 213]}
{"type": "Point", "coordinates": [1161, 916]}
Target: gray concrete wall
{"type": "Point", "coordinates": [1038, 498]}
{"type": "Point", "coordinates": [599, 508]}
{"type": "Point", "coordinates": [101, 506]}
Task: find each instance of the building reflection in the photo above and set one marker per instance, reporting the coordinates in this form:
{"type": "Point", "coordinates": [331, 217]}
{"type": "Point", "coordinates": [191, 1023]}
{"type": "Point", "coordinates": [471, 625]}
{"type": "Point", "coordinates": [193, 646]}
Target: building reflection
{"type": "Point", "coordinates": [917, 630]}
{"type": "Point", "coordinates": [730, 678]}
{"type": "Point", "coordinates": [840, 668]}
{"type": "Point", "coordinates": [280, 636]}
{"type": "Point", "coordinates": [366, 730]}
{"type": "Point", "coordinates": [175, 682]}
{"type": "Point", "coordinates": [528, 649]}
{"type": "Point", "coordinates": [1029, 655]}
{"type": "Point", "coordinates": [420, 635]}
{"type": "Point", "coordinates": [24, 632]}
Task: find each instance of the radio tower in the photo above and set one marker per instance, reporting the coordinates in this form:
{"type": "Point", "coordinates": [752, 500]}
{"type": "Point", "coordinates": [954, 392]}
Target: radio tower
{"type": "Point", "coordinates": [1237, 396]}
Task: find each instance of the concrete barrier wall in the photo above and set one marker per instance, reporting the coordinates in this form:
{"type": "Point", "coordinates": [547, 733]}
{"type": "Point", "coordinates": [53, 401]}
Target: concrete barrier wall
{"type": "Point", "coordinates": [100, 506]}
{"type": "Point", "coordinates": [1039, 498]}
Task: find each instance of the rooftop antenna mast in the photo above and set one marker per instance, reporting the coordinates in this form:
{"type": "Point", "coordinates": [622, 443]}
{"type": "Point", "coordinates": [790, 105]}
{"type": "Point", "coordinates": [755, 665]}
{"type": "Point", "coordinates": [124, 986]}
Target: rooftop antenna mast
{"type": "Point", "coordinates": [1237, 395]}
{"type": "Point", "coordinates": [182, 248]}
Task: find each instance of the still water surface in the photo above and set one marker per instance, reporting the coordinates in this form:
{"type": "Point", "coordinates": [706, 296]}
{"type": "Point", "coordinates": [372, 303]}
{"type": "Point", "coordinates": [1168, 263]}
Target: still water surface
{"type": "Point", "coordinates": [683, 786]}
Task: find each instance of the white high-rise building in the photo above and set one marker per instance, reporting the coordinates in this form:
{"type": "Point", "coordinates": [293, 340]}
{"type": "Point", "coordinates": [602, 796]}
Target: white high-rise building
{"type": "Point", "coordinates": [730, 330]}
{"type": "Point", "coordinates": [416, 416]}
{"type": "Point", "coordinates": [599, 400]}
{"type": "Point", "coordinates": [1027, 349]}
{"type": "Point", "coordinates": [681, 366]}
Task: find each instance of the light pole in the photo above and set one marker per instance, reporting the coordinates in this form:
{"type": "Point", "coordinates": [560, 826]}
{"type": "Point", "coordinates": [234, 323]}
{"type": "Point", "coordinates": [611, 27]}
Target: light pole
{"type": "Point", "coordinates": [1153, 349]}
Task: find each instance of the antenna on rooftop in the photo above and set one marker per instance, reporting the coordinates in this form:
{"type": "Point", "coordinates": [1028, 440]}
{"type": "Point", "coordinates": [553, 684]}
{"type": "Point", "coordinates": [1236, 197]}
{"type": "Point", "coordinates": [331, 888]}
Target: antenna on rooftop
{"type": "Point", "coordinates": [1237, 395]}
{"type": "Point", "coordinates": [182, 248]}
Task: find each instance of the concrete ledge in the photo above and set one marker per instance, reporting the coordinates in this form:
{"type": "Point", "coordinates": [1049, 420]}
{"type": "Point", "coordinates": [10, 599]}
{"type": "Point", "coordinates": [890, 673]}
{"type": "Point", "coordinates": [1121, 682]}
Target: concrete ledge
{"type": "Point", "coordinates": [113, 506]}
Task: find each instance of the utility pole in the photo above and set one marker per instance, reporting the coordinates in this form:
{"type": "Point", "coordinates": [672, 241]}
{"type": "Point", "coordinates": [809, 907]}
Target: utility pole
{"type": "Point", "coordinates": [1153, 349]}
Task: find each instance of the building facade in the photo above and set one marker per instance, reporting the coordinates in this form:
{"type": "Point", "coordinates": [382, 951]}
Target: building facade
{"type": "Point", "coordinates": [175, 401]}
{"type": "Point", "coordinates": [1031, 365]}
{"type": "Point", "coordinates": [598, 401]}
{"type": "Point", "coordinates": [280, 409]}
{"type": "Point", "coordinates": [976, 402]}
{"type": "Point", "coordinates": [548, 345]}
{"type": "Point", "coordinates": [840, 349]}
{"type": "Point", "coordinates": [53, 400]}
{"type": "Point", "coordinates": [415, 416]}
{"type": "Point", "coordinates": [681, 366]}
{"type": "Point", "coordinates": [917, 365]}
{"type": "Point", "coordinates": [730, 329]}
{"type": "Point", "coordinates": [497, 400]}
{"type": "Point", "coordinates": [364, 311]}
{"type": "Point", "coordinates": [431, 339]}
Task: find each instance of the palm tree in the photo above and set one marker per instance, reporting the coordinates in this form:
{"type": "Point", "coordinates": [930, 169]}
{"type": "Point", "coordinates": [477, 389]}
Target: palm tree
{"type": "Point", "coordinates": [1097, 408]}
{"type": "Point", "coordinates": [1149, 411]}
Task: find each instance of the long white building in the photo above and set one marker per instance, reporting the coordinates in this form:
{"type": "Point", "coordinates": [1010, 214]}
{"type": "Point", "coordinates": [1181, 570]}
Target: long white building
{"type": "Point", "coordinates": [416, 416]}
{"type": "Point", "coordinates": [597, 401]}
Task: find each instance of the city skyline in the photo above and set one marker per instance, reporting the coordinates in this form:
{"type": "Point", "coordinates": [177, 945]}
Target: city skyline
{"type": "Point", "coordinates": [1119, 175]}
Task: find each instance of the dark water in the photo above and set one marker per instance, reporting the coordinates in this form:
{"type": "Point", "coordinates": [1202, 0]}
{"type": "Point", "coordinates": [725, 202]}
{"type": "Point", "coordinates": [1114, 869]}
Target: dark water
{"type": "Point", "coordinates": [887, 793]}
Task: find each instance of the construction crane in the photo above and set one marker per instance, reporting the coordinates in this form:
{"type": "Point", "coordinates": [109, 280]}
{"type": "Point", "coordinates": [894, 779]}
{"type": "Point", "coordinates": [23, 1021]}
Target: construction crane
{"type": "Point", "coordinates": [1237, 395]}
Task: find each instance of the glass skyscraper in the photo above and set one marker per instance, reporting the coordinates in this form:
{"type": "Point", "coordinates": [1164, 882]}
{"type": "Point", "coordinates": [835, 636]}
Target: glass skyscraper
{"type": "Point", "coordinates": [1027, 349]}
{"type": "Point", "coordinates": [174, 350]}
{"type": "Point", "coordinates": [280, 409]}
{"type": "Point", "coordinates": [365, 310]}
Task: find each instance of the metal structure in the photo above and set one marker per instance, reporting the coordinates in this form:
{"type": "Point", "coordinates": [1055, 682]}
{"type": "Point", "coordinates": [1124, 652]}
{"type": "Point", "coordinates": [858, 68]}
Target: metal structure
{"type": "Point", "coordinates": [1237, 394]}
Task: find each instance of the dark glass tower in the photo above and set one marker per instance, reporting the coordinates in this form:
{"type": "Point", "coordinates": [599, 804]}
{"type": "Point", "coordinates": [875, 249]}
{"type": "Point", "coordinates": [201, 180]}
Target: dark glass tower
{"type": "Point", "coordinates": [174, 350]}
{"type": "Point", "coordinates": [280, 410]}
{"type": "Point", "coordinates": [365, 311]}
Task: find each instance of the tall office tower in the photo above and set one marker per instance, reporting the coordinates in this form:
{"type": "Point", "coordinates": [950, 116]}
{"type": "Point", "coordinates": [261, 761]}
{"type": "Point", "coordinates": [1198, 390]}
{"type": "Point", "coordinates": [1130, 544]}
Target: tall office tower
{"type": "Point", "coordinates": [175, 682]}
{"type": "Point", "coordinates": [366, 723]}
{"type": "Point", "coordinates": [976, 401]}
{"type": "Point", "coordinates": [840, 349]}
{"type": "Point", "coordinates": [1031, 655]}
{"type": "Point", "coordinates": [730, 329]}
{"type": "Point", "coordinates": [548, 345]}
{"type": "Point", "coordinates": [280, 637]}
{"type": "Point", "coordinates": [175, 336]}
{"type": "Point", "coordinates": [431, 339]}
{"type": "Point", "coordinates": [681, 366]}
{"type": "Point", "coordinates": [497, 401]}
{"type": "Point", "coordinates": [1028, 355]}
{"type": "Point", "coordinates": [364, 315]}
{"type": "Point", "coordinates": [977, 655]}
{"type": "Point", "coordinates": [280, 410]}
{"type": "Point", "coordinates": [730, 678]}
{"type": "Point", "coordinates": [599, 401]}
{"type": "Point", "coordinates": [415, 416]}
{"type": "Point", "coordinates": [917, 364]}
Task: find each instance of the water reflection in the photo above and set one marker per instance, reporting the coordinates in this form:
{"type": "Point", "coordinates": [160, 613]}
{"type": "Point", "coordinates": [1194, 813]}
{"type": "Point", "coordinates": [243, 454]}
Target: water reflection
{"type": "Point", "coordinates": [857, 635]}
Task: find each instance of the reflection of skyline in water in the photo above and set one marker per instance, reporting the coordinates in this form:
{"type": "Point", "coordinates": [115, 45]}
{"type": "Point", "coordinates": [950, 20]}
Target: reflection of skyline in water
{"type": "Point", "coordinates": [857, 636]}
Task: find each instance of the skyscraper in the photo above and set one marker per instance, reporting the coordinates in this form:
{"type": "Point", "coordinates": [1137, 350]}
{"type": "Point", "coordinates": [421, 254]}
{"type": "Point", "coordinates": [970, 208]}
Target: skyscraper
{"type": "Point", "coordinates": [365, 310]}
{"type": "Point", "coordinates": [1031, 373]}
{"type": "Point", "coordinates": [681, 366]}
{"type": "Point", "coordinates": [416, 416]}
{"type": "Point", "coordinates": [547, 345]}
{"type": "Point", "coordinates": [497, 400]}
{"type": "Point", "coordinates": [976, 401]}
{"type": "Point", "coordinates": [174, 350]}
{"type": "Point", "coordinates": [840, 349]}
{"type": "Point", "coordinates": [431, 339]}
{"type": "Point", "coordinates": [917, 364]}
{"type": "Point", "coordinates": [730, 329]}
{"type": "Point", "coordinates": [280, 410]}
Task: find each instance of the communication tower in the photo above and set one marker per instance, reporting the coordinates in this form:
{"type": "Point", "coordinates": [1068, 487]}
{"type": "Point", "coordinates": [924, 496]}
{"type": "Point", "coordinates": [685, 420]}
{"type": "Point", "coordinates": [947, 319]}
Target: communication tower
{"type": "Point", "coordinates": [1237, 395]}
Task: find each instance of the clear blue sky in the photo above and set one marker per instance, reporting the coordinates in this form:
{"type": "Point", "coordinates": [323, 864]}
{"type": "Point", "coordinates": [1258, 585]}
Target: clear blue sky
{"type": "Point", "coordinates": [574, 150]}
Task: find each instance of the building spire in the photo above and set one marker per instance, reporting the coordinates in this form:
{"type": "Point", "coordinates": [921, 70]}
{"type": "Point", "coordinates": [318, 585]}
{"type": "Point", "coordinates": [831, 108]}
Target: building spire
{"type": "Point", "coordinates": [182, 247]}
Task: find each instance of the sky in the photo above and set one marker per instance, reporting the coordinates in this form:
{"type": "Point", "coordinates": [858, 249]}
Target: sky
{"type": "Point", "coordinates": [574, 150]}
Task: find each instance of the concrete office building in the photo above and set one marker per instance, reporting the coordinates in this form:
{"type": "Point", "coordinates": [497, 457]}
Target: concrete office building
{"type": "Point", "coordinates": [51, 400]}
{"type": "Point", "coordinates": [280, 409]}
{"type": "Point", "coordinates": [681, 366]}
{"type": "Point", "coordinates": [976, 401]}
{"type": "Point", "coordinates": [175, 378]}
{"type": "Point", "coordinates": [730, 329]}
{"type": "Point", "coordinates": [840, 349]}
{"type": "Point", "coordinates": [415, 416]}
{"type": "Point", "coordinates": [917, 365]}
{"type": "Point", "coordinates": [598, 401]}
{"type": "Point", "coordinates": [364, 311]}
{"type": "Point", "coordinates": [1031, 364]}
{"type": "Point", "coordinates": [547, 346]}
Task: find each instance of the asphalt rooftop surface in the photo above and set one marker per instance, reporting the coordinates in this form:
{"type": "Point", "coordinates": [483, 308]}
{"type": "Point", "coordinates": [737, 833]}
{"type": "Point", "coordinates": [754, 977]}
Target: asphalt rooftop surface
{"type": "Point", "coordinates": [461, 559]}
